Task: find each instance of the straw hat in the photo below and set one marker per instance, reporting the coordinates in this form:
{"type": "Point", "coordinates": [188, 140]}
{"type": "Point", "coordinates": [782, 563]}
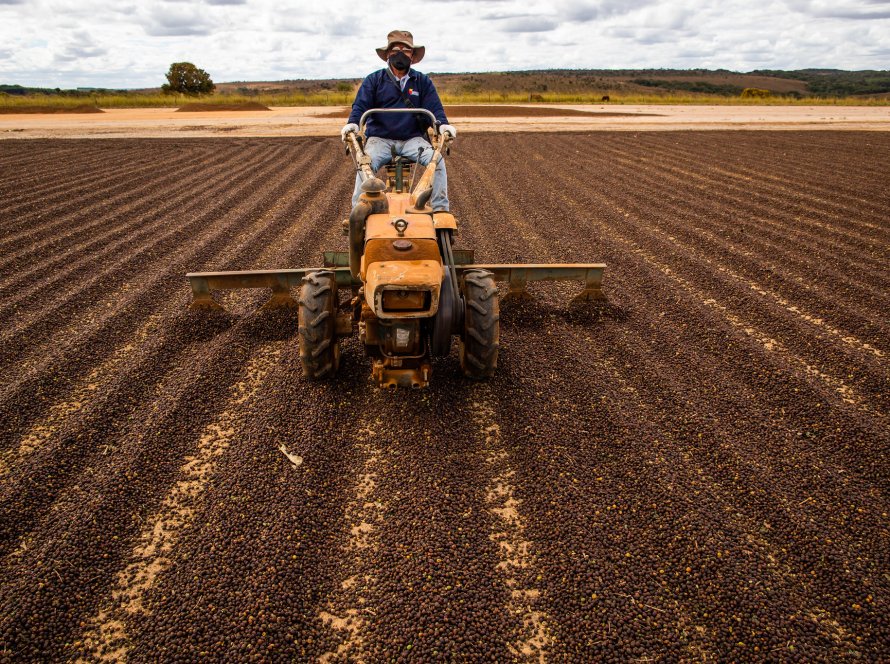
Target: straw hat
{"type": "Point", "coordinates": [402, 37]}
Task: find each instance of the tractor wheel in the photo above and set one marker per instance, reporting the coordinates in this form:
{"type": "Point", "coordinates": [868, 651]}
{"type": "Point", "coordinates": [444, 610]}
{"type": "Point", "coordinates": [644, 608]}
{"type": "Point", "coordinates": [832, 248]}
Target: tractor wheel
{"type": "Point", "coordinates": [319, 350]}
{"type": "Point", "coordinates": [480, 339]}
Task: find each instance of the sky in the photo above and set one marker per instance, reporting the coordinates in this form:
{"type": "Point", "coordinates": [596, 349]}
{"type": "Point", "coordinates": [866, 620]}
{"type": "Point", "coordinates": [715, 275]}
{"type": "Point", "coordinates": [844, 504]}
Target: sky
{"type": "Point", "coordinates": [129, 44]}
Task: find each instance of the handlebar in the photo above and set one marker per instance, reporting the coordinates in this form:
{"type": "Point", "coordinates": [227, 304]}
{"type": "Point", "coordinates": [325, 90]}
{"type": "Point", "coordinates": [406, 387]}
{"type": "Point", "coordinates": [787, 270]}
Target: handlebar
{"type": "Point", "coordinates": [372, 111]}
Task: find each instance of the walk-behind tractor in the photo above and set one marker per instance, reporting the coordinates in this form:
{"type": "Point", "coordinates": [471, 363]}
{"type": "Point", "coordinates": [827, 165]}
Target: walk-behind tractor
{"type": "Point", "coordinates": [411, 291]}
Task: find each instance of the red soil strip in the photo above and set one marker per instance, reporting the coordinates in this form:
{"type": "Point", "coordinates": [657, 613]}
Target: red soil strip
{"type": "Point", "coordinates": [498, 111]}
{"type": "Point", "coordinates": [83, 108]}
{"type": "Point", "coordinates": [204, 108]}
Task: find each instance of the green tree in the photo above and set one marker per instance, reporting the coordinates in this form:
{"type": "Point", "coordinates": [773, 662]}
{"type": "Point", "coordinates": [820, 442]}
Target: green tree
{"type": "Point", "coordinates": [184, 77]}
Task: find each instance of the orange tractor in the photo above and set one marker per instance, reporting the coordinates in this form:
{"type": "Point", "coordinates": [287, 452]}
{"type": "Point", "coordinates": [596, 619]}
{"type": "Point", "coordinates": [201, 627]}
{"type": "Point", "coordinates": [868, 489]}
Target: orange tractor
{"type": "Point", "coordinates": [410, 290]}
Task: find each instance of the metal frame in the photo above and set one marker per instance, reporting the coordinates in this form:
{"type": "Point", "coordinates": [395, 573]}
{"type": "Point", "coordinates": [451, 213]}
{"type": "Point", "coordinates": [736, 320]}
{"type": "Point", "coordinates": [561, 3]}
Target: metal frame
{"type": "Point", "coordinates": [282, 281]}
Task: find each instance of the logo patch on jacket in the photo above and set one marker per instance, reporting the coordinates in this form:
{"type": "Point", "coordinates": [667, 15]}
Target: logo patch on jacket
{"type": "Point", "coordinates": [412, 91]}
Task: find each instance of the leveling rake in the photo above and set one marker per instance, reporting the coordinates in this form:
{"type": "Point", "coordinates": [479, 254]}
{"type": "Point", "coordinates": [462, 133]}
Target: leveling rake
{"type": "Point", "coordinates": [410, 290]}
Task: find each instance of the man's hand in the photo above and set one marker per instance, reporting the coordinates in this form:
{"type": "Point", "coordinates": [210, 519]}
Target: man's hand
{"type": "Point", "coordinates": [348, 128]}
{"type": "Point", "coordinates": [448, 129]}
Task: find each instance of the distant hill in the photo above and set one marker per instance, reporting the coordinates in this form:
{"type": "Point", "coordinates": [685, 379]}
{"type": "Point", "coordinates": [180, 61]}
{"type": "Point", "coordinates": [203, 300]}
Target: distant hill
{"type": "Point", "coordinates": [799, 83]}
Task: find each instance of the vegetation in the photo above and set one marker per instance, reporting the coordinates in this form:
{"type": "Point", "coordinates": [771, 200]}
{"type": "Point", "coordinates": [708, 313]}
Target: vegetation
{"type": "Point", "coordinates": [186, 78]}
{"type": "Point", "coordinates": [836, 82]}
{"type": "Point", "coordinates": [551, 86]}
{"type": "Point", "coordinates": [689, 86]}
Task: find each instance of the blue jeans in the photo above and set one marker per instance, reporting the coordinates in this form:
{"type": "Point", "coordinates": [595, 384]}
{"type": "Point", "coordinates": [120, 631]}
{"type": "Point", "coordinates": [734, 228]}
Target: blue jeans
{"type": "Point", "coordinates": [417, 149]}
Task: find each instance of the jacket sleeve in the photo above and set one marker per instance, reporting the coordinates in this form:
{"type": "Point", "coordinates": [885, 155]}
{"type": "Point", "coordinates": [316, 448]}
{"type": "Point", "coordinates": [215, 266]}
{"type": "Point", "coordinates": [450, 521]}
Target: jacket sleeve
{"type": "Point", "coordinates": [364, 98]}
{"type": "Point", "coordinates": [431, 101]}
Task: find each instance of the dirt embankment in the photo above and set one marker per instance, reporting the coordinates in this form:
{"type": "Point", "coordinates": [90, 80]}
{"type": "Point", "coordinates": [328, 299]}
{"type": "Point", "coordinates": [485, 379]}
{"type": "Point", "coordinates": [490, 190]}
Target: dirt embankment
{"type": "Point", "coordinates": [501, 111]}
{"type": "Point", "coordinates": [48, 110]}
{"type": "Point", "coordinates": [693, 470]}
{"type": "Point", "coordinates": [209, 108]}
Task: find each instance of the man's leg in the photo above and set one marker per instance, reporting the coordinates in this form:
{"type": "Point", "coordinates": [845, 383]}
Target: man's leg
{"type": "Point", "coordinates": [420, 149]}
{"type": "Point", "coordinates": [379, 150]}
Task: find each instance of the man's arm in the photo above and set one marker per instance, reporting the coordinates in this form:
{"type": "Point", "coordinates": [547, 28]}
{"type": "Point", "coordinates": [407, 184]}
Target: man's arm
{"type": "Point", "coordinates": [432, 103]}
{"type": "Point", "coordinates": [364, 98]}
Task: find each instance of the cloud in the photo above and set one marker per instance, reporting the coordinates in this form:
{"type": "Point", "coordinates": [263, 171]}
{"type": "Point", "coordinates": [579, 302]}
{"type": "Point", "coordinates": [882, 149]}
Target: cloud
{"type": "Point", "coordinates": [345, 28]}
{"type": "Point", "coordinates": [290, 23]}
{"type": "Point", "coordinates": [529, 24]}
{"type": "Point", "coordinates": [575, 10]}
{"type": "Point", "coordinates": [843, 9]}
{"type": "Point", "coordinates": [81, 46]}
{"type": "Point", "coordinates": [226, 2]}
{"type": "Point", "coordinates": [169, 21]}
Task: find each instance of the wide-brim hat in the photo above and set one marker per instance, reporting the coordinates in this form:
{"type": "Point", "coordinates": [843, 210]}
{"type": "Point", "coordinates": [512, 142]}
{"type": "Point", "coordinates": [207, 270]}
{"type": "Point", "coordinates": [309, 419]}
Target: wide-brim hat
{"type": "Point", "coordinates": [402, 37]}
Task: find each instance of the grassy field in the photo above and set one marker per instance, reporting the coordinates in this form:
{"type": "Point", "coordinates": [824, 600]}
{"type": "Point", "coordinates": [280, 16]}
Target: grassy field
{"type": "Point", "coordinates": [141, 100]}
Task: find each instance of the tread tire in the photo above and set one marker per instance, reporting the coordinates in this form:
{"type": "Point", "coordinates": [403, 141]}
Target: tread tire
{"type": "Point", "coordinates": [480, 340]}
{"type": "Point", "coordinates": [319, 350]}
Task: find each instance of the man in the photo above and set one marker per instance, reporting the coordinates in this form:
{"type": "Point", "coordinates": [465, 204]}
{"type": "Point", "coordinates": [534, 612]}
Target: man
{"type": "Point", "coordinates": [399, 86]}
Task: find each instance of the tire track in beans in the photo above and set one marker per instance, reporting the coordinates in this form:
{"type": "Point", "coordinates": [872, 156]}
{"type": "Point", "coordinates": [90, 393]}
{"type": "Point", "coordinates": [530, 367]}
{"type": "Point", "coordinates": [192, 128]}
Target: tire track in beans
{"type": "Point", "coordinates": [218, 350]}
{"type": "Point", "coordinates": [107, 638]}
{"type": "Point", "coordinates": [345, 611]}
{"type": "Point", "coordinates": [870, 378]}
{"type": "Point", "coordinates": [438, 591]}
{"type": "Point", "coordinates": [18, 398]}
{"type": "Point", "coordinates": [517, 558]}
{"type": "Point", "coordinates": [715, 247]}
{"type": "Point", "coordinates": [268, 534]}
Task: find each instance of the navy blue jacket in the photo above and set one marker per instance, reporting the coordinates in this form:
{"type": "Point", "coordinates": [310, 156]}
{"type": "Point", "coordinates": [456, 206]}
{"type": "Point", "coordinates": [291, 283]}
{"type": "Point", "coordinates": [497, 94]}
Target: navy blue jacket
{"type": "Point", "coordinates": [379, 91]}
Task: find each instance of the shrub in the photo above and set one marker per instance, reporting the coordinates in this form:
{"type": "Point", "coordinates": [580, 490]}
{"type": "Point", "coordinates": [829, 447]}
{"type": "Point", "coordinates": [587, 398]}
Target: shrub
{"type": "Point", "coordinates": [755, 93]}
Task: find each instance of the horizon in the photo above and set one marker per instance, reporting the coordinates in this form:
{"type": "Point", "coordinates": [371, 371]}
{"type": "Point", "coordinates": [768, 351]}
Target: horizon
{"type": "Point", "coordinates": [465, 73]}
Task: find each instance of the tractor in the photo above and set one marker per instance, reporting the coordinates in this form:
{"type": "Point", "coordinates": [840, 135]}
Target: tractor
{"type": "Point", "coordinates": [409, 290]}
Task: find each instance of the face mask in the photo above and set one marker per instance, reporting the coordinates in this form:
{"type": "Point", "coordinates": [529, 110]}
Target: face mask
{"type": "Point", "coordinates": [400, 61]}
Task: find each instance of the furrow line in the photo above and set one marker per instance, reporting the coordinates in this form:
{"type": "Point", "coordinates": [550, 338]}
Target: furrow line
{"type": "Point", "coordinates": [243, 251]}
{"type": "Point", "coordinates": [81, 237]}
{"type": "Point", "coordinates": [59, 197]}
{"type": "Point", "coordinates": [718, 246]}
{"type": "Point", "coordinates": [763, 214]}
{"type": "Point", "coordinates": [130, 234]}
{"type": "Point", "coordinates": [110, 279]}
{"type": "Point", "coordinates": [720, 180]}
{"type": "Point", "coordinates": [798, 180]}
